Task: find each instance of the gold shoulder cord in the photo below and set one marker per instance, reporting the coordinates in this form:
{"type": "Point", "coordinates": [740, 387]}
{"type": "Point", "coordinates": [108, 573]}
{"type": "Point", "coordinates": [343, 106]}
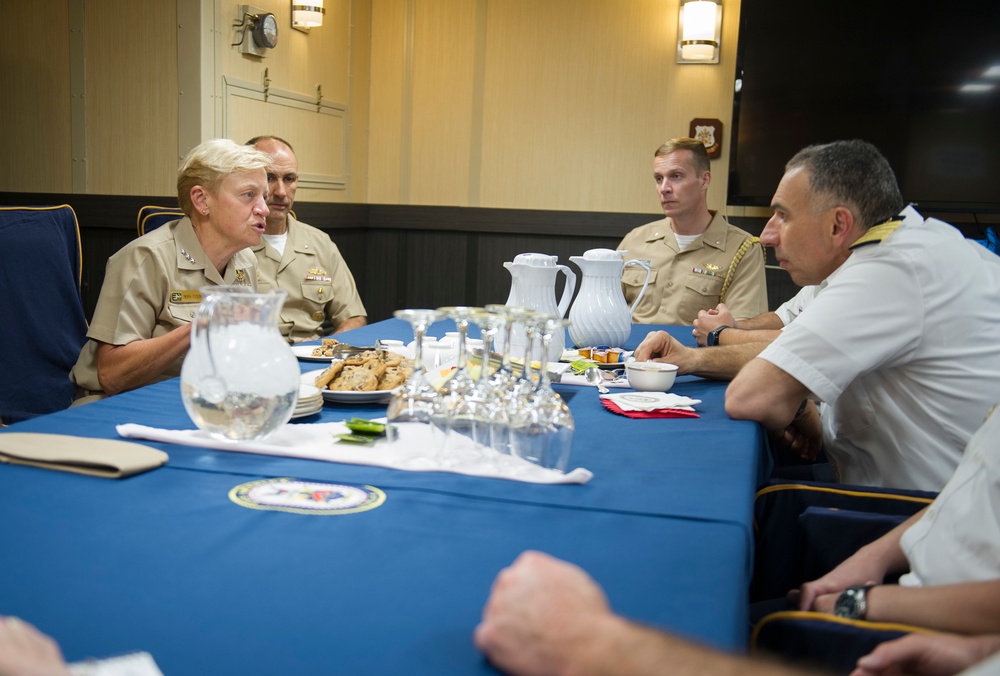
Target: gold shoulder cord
{"type": "Point", "coordinates": [731, 272]}
{"type": "Point", "coordinates": [877, 233]}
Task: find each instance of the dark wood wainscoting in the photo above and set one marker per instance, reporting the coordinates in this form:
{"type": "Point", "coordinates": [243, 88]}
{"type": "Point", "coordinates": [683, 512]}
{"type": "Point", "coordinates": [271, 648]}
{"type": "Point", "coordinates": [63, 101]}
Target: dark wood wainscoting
{"type": "Point", "coordinates": [401, 256]}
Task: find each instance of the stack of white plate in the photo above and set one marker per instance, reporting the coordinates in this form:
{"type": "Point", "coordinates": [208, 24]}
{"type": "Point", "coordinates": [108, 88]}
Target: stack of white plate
{"type": "Point", "coordinates": [310, 401]}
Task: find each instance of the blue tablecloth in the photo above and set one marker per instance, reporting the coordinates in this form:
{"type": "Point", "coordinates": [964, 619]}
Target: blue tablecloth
{"type": "Point", "coordinates": [166, 562]}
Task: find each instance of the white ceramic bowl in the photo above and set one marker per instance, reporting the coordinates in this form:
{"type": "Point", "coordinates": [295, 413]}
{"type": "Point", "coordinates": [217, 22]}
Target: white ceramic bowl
{"type": "Point", "coordinates": [650, 376]}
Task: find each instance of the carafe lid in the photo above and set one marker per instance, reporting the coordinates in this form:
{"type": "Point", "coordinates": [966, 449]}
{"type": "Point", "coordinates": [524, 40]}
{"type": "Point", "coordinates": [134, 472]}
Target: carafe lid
{"type": "Point", "coordinates": [537, 260]}
{"type": "Point", "coordinates": [602, 255]}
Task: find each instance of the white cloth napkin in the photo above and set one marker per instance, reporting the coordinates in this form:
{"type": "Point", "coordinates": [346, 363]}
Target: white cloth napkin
{"type": "Point", "coordinates": [651, 401]}
{"type": "Point", "coordinates": [318, 441]}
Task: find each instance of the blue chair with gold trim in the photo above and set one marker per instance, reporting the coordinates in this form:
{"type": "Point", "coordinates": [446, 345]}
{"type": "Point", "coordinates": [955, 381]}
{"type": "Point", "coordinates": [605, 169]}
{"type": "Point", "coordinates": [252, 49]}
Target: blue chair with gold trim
{"type": "Point", "coordinates": [43, 326]}
{"type": "Point", "coordinates": [151, 217]}
{"type": "Point", "coordinates": [833, 644]}
{"type": "Point", "coordinates": [805, 529]}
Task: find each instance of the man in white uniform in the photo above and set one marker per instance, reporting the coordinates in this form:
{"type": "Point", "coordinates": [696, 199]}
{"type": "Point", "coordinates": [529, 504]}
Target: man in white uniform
{"type": "Point", "coordinates": [903, 343]}
{"type": "Point", "coordinates": [950, 549]}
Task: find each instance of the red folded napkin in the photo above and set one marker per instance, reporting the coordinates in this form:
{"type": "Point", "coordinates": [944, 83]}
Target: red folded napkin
{"type": "Point", "coordinates": [658, 413]}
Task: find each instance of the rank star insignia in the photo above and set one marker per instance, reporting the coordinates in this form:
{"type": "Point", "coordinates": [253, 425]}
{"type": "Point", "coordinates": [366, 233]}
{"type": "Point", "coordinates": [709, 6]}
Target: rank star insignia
{"type": "Point", "coordinates": [188, 256]}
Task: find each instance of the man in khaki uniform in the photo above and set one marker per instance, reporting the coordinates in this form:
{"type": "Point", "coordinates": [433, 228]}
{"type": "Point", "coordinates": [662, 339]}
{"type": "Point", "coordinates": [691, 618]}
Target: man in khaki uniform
{"type": "Point", "coordinates": [697, 260]}
{"type": "Point", "coordinates": [302, 260]}
{"type": "Point", "coordinates": [152, 287]}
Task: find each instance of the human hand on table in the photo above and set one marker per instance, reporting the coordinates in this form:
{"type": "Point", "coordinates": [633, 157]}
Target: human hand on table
{"type": "Point", "coordinates": [25, 651]}
{"type": "Point", "coordinates": [708, 320]}
{"type": "Point", "coordinates": [927, 655]}
{"type": "Point", "coordinates": [661, 346]}
{"type": "Point", "coordinates": [804, 434]}
{"type": "Point", "coordinates": [542, 616]}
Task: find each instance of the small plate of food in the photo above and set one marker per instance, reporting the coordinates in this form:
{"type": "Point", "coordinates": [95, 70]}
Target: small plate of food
{"type": "Point", "coordinates": [602, 357]}
{"type": "Point", "coordinates": [368, 377]}
{"type": "Point", "coordinates": [328, 350]}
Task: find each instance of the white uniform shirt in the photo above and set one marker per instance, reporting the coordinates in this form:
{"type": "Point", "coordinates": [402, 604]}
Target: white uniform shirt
{"type": "Point", "coordinates": [903, 346]}
{"type": "Point", "coordinates": [793, 307]}
{"type": "Point", "coordinates": [958, 537]}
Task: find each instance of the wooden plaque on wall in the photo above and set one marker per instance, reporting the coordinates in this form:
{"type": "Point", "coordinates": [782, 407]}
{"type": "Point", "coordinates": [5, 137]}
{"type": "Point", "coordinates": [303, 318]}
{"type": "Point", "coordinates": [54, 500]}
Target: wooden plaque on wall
{"type": "Point", "coordinates": [709, 132]}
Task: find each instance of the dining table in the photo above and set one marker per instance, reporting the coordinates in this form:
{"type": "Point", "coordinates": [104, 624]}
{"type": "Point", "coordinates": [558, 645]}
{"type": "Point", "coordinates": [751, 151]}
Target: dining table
{"type": "Point", "coordinates": [169, 562]}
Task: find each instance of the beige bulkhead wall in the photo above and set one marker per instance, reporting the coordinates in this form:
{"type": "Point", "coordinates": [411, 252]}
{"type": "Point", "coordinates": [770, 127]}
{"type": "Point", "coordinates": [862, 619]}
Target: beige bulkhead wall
{"type": "Point", "coordinates": [538, 104]}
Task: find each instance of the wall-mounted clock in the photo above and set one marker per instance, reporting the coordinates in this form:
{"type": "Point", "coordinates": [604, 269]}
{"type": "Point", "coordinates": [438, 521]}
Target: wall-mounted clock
{"type": "Point", "coordinates": [256, 31]}
{"type": "Point", "coordinates": [265, 30]}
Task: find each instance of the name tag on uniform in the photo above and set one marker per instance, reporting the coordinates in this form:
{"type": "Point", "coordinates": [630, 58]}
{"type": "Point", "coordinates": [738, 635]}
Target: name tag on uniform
{"type": "Point", "coordinates": [185, 296]}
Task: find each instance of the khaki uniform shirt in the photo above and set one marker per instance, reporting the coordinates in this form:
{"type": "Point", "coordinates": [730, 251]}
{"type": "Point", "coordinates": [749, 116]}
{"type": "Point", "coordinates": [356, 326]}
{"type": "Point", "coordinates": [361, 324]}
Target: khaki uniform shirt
{"type": "Point", "coordinates": [151, 287]}
{"type": "Point", "coordinates": [320, 287]}
{"type": "Point", "coordinates": [683, 282]}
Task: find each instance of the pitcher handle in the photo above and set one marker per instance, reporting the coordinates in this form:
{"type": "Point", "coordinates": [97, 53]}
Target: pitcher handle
{"type": "Point", "coordinates": [567, 290]}
{"type": "Point", "coordinates": [211, 386]}
{"type": "Point", "coordinates": [644, 264]}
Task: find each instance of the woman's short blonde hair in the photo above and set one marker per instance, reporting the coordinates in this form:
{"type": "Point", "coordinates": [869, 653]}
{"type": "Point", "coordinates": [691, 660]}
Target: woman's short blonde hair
{"type": "Point", "coordinates": [210, 162]}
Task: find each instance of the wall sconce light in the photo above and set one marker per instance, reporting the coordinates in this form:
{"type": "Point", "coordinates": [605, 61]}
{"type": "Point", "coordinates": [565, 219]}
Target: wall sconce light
{"type": "Point", "coordinates": [306, 16]}
{"type": "Point", "coordinates": [699, 31]}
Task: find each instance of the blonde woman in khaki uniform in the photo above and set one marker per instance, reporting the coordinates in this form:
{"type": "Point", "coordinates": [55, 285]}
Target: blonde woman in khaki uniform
{"type": "Point", "coordinates": [141, 326]}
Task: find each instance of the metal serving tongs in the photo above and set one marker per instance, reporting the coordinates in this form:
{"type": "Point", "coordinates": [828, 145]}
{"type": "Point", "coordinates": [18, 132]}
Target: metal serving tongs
{"type": "Point", "coordinates": [343, 350]}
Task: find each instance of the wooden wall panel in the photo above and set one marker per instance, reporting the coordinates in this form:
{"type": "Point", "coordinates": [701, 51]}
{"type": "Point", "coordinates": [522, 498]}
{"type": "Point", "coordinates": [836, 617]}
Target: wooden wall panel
{"type": "Point", "coordinates": [131, 80]}
{"type": "Point", "coordinates": [444, 56]}
{"type": "Point", "coordinates": [319, 140]}
{"type": "Point", "coordinates": [572, 110]}
{"type": "Point", "coordinates": [358, 104]}
{"type": "Point", "coordinates": [566, 102]}
{"type": "Point", "coordinates": [35, 80]}
{"type": "Point", "coordinates": [389, 45]}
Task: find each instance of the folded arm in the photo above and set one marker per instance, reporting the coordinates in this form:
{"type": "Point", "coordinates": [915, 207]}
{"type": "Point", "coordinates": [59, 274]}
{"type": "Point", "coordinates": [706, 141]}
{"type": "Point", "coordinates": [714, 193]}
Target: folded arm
{"type": "Point", "coordinates": [126, 367]}
{"type": "Point", "coordinates": [765, 327]}
{"type": "Point", "coordinates": [763, 392]}
{"type": "Point", "coordinates": [965, 608]}
{"type": "Point", "coordinates": [869, 565]}
{"type": "Point", "coordinates": [351, 323]}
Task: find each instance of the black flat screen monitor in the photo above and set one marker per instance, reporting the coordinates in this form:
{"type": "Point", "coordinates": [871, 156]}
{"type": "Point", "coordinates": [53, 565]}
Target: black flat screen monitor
{"type": "Point", "coordinates": [913, 78]}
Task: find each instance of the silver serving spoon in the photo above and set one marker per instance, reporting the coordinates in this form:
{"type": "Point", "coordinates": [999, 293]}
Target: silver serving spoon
{"type": "Point", "coordinates": [594, 377]}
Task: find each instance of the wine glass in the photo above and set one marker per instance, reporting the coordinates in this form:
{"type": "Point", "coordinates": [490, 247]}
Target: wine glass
{"type": "Point", "coordinates": [490, 428]}
{"type": "Point", "coordinates": [460, 382]}
{"type": "Point", "coordinates": [523, 384]}
{"type": "Point", "coordinates": [542, 426]}
{"type": "Point", "coordinates": [503, 378]}
{"type": "Point", "coordinates": [451, 412]}
{"type": "Point", "coordinates": [414, 402]}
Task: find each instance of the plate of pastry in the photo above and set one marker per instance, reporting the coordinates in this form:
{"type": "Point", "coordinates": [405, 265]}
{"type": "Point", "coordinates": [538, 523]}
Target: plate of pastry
{"type": "Point", "coordinates": [365, 378]}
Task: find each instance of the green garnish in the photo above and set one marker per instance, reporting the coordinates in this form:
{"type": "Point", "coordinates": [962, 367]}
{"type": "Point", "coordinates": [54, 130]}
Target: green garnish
{"type": "Point", "coordinates": [363, 431]}
{"type": "Point", "coordinates": [367, 427]}
{"type": "Point", "coordinates": [356, 438]}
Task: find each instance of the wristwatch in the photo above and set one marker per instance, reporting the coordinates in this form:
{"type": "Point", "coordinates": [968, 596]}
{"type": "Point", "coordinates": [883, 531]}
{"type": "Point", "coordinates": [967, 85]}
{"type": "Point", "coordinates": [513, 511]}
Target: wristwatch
{"type": "Point", "coordinates": [712, 339]}
{"type": "Point", "coordinates": [853, 603]}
